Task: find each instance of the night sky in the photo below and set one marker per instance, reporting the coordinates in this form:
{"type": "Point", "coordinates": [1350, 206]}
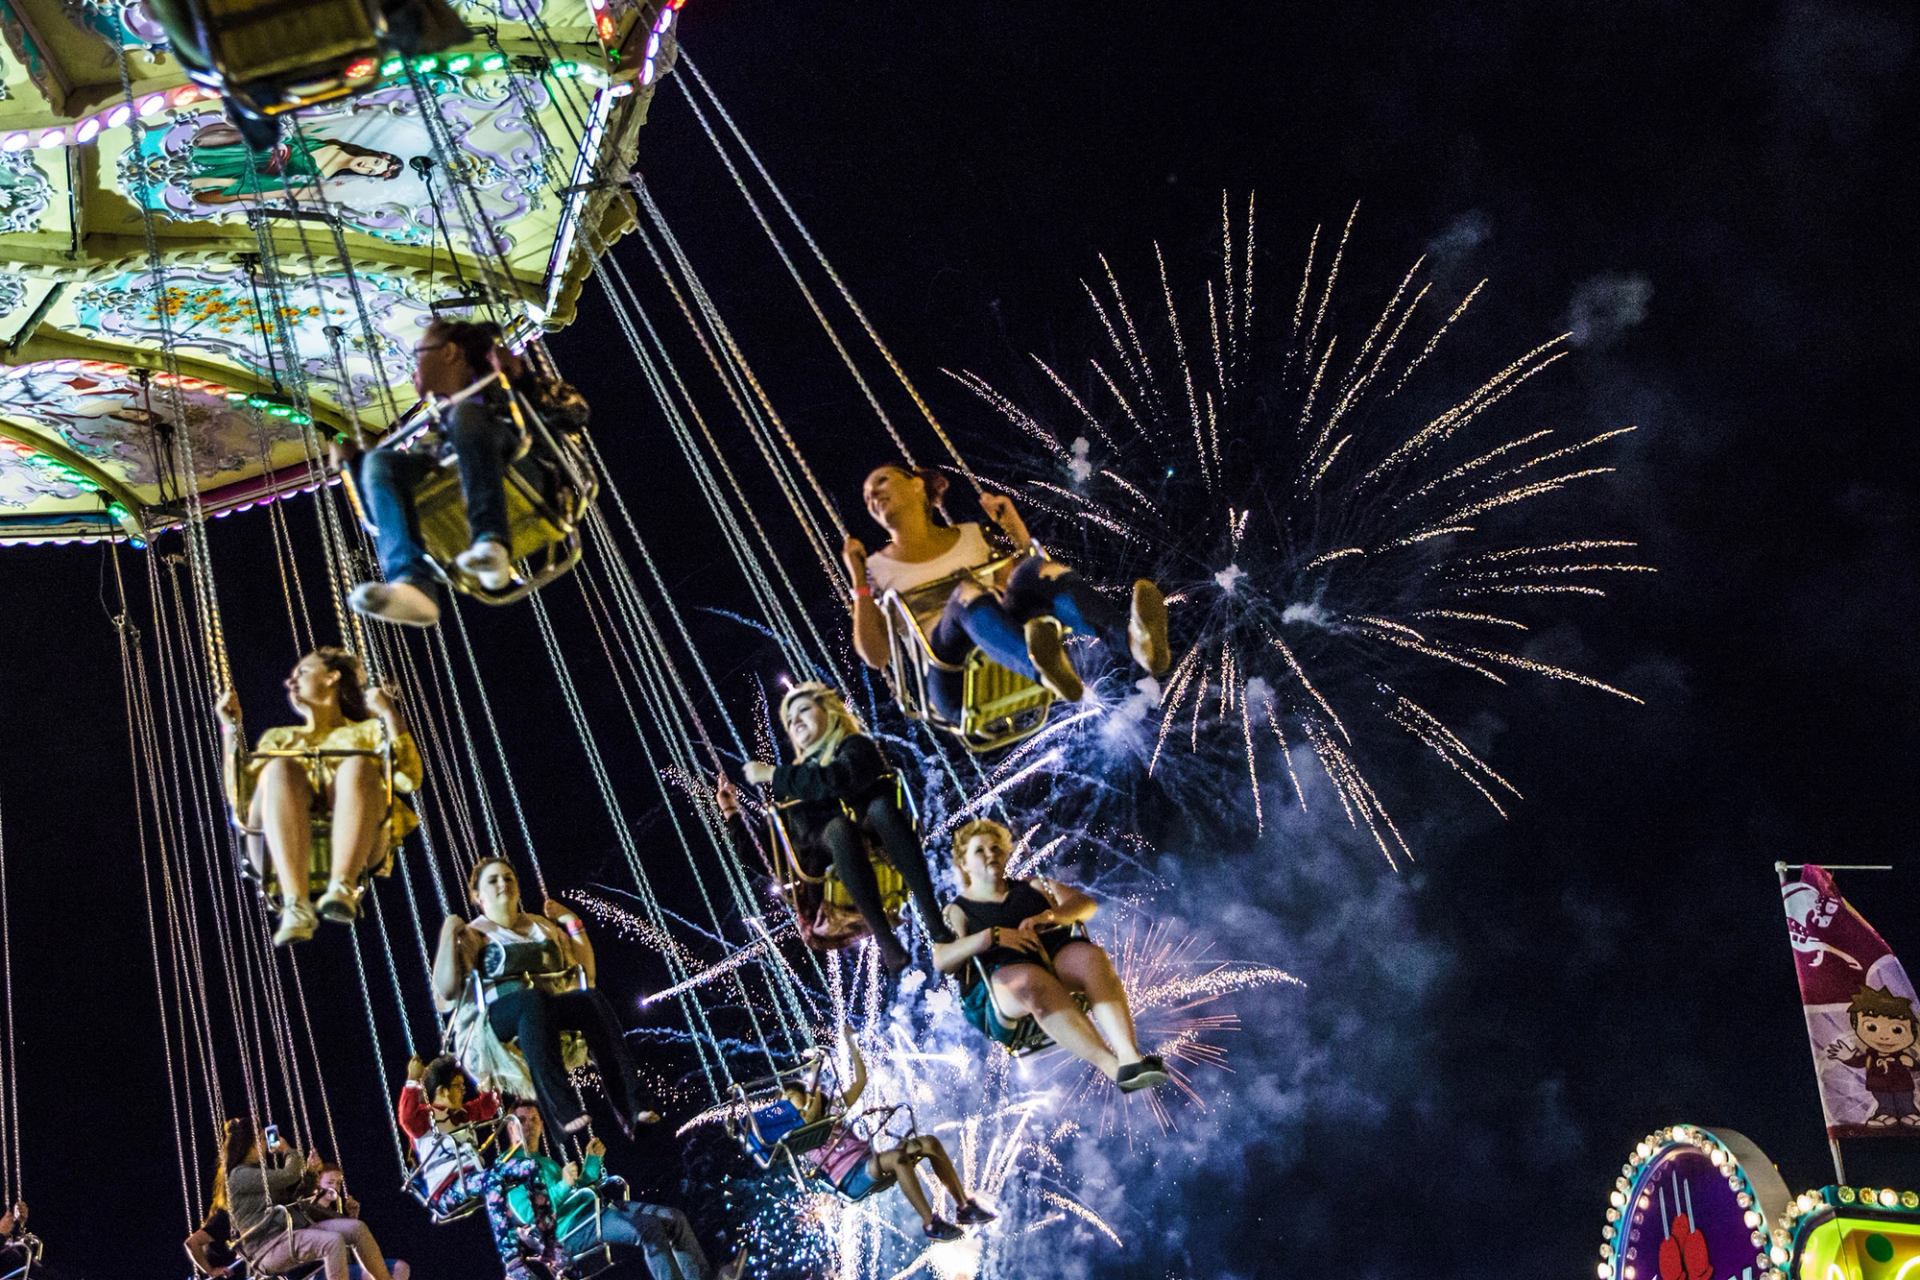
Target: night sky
{"type": "Point", "coordinates": [1484, 1036]}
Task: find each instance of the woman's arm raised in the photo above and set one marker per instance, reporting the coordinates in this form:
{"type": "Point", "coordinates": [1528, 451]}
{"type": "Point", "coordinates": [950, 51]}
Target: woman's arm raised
{"type": "Point", "coordinates": [449, 960]}
{"type": "Point", "coordinates": [869, 624]}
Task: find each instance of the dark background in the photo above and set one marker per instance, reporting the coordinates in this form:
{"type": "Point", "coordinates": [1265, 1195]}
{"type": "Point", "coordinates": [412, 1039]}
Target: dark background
{"type": "Point", "coordinates": [1487, 1036]}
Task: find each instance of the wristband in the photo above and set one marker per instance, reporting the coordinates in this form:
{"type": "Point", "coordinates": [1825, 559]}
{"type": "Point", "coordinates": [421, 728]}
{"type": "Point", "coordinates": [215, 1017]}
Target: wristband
{"type": "Point", "coordinates": [863, 592]}
{"type": "Point", "coordinates": [993, 935]}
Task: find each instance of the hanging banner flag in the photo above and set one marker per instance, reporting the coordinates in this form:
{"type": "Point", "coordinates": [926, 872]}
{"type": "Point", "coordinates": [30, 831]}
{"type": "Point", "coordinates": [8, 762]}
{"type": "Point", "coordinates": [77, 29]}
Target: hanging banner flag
{"type": "Point", "coordinates": [1860, 1008]}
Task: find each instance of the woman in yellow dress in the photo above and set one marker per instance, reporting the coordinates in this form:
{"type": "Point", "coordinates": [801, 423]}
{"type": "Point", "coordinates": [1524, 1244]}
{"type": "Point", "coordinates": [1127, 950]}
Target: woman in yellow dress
{"type": "Point", "coordinates": [339, 714]}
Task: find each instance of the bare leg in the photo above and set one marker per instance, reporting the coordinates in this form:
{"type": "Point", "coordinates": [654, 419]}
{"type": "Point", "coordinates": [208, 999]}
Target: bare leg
{"type": "Point", "coordinates": [1084, 966]}
{"type": "Point", "coordinates": [284, 803]}
{"type": "Point", "coordinates": [1028, 988]}
{"type": "Point", "coordinates": [934, 1152]}
{"type": "Point", "coordinates": [893, 1162]}
{"type": "Point", "coordinates": [359, 816]}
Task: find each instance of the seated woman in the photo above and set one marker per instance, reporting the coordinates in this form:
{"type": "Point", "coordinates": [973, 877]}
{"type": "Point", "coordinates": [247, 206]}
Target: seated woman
{"type": "Point", "coordinates": [526, 1009]}
{"type": "Point", "coordinates": [259, 1190]}
{"type": "Point", "coordinates": [585, 1219]}
{"type": "Point", "coordinates": [482, 437]}
{"type": "Point", "coordinates": [855, 1168]}
{"type": "Point", "coordinates": [339, 713]}
{"type": "Point", "coordinates": [1017, 621]}
{"type": "Point", "coordinates": [1019, 931]}
{"type": "Point", "coordinates": [842, 790]}
{"type": "Point", "coordinates": [437, 1115]}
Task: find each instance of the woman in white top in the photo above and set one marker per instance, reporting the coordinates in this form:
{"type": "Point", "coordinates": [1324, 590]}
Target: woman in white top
{"type": "Point", "coordinates": [1018, 619]}
{"type": "Point", "coordinates": [524, 1008]}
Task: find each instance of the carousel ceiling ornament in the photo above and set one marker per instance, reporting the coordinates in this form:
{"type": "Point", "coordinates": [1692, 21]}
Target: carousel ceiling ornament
{"type": "Point", "coordinates": [161, 271]}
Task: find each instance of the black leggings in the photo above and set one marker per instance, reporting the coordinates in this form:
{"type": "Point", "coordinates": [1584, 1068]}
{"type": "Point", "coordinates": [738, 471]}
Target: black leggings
{"type": "Point", "coordinates": [535, 1018]}
{"type": "Point", "coordinates": [882, 818]}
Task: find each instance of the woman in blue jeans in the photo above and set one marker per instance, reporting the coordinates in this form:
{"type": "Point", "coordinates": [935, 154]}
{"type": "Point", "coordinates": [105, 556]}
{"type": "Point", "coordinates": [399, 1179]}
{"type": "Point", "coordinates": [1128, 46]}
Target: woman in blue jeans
{"type": "Point", "coordinates": [481, 435]}
{"type": "Point", "coordinates": [1019, 619]}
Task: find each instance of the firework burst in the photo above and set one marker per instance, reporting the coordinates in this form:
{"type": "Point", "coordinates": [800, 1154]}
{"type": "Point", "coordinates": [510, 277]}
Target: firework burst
{"type": "Point", "coordinates": [1327, 544]}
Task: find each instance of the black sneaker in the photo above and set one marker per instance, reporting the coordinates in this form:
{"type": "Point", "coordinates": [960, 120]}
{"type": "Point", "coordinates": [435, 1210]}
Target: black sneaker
{"type": "Point", "coordinates": [941, 1229]}
{"type": "Point", "coordinates": [973, 1214]}
{"type": "Point", "coordinates": [1147, 1073]}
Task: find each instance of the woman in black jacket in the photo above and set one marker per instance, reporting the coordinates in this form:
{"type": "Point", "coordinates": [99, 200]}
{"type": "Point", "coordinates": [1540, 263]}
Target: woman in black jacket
{"type": "Point", "coordinates": [838, 792]}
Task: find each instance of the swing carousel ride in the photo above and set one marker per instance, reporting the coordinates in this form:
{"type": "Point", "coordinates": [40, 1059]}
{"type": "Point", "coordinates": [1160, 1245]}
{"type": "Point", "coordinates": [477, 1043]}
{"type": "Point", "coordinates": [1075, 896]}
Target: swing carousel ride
{"type": "Point", "coordinates": [214, 266]}
{"type": "Point", "coordinates": [292, 290]}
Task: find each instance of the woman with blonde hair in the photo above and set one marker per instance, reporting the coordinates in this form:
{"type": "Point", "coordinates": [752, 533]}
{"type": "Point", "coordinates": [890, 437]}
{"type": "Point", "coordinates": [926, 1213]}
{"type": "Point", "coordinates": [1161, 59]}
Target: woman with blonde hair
{"type": "Point", "coordinates": [1021, 933]}
{"type": "Point", "coordinates": [839, 791]}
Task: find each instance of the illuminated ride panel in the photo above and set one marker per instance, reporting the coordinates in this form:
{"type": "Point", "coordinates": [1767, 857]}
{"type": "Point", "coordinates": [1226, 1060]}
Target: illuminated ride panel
{"type": "Point", "coordinates": [1693, 1203]}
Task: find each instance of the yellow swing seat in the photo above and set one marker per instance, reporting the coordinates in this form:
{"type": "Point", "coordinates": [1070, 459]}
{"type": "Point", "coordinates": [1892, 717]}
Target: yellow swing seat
{"type": "Point", "coordinates": [550, 487]}
{"type": "Point", "coordinates": [826, 915]}
{"type": "Point", "coordinates": [998, 707]}
{"type": "Point", "coordinates": [257, 867]}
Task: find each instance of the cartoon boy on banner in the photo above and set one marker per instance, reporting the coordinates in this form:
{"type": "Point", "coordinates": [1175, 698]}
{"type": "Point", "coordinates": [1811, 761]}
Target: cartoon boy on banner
{"type": "Point", "coordinates": [1883, 1050]}
{"type": "Point", "coordinates": [1860, 1012]}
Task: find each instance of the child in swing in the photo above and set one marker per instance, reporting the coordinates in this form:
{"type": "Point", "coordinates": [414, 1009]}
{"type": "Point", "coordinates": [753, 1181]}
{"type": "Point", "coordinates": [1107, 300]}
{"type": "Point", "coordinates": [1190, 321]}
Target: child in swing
{"type": "Point", "coordinates": [856, 1169]}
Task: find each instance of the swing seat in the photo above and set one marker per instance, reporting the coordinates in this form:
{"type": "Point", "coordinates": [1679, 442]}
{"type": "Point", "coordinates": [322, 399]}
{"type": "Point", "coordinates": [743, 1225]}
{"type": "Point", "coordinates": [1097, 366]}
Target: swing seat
{"type": "Point", "coordinates": [770, 1130]}
{"type": "Point", "coordinates": [1019, 1034]}
{"type": "Point", "coordinates": [597, 1258]}
{"type": "Point", "coordinates": [29, 1249]}
{"type": "Point", "coordinates": [256, 866]}
{"type": "Point", "coordinates": [824, 911]}
{"type": "Point", "coordinates": [550, 487]}
{"type": "Point", "coordinates": [998, 707]}
{"type": "Point", "coordinates": [271, 57]}
{"type": "Point", "coordinates": [445, 1209]}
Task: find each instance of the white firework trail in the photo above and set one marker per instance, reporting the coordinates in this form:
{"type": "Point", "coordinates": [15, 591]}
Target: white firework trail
{"type": "Point", "coordinates": [1314, 527]}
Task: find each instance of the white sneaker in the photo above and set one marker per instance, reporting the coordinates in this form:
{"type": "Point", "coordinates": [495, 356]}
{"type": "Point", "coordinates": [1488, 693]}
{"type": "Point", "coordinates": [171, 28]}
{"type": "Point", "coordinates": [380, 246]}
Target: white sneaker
{"type": "Point", "coordinates": [489, 561]}
{"type": "Point", "coordinates": [397, 602]}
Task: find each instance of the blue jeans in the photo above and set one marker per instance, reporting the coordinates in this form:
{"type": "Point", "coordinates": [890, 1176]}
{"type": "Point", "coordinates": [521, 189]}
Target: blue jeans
{"type": "Point", "coordinates": [662, 1234]}
{"type": "Point", "coordinates": [483, 442]}
{"type": "Point", "coordinates": [997, 627]}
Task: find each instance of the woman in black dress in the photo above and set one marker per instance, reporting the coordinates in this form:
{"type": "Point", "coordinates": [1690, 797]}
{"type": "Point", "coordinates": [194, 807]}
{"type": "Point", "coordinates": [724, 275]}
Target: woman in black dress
{"type": "Point", "coordinates": [838, 792]}
{"type": "Point", "coordinates": [1020, 931]}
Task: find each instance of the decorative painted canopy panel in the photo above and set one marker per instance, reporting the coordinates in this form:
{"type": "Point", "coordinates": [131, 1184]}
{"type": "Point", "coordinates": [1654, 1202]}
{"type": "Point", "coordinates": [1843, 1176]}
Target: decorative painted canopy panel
{"type": "Point", "coordinates": [158, 274]}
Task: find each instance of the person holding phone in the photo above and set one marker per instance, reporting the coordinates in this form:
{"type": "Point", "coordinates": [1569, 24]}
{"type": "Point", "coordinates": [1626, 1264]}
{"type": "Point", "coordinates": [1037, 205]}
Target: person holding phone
{"type": "Point", "coordinates": [260, 1182]}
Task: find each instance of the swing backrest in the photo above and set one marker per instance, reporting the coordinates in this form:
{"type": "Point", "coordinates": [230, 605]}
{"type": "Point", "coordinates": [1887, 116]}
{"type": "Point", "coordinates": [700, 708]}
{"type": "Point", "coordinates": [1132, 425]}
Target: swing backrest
{"type": "Point", "coordinates": [998, 707]}
{"type": "Point", "coordinates": [823, 910]}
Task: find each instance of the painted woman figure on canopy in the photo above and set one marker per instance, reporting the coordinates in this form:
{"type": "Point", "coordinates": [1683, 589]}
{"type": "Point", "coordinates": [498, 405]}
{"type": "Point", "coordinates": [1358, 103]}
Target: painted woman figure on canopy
{"type": "Point", "coordinates": [225, 170]}
{"type": "Point", "coordinates": [1019, 618]}
{"type": "Point", "coordinates": [346, 765]}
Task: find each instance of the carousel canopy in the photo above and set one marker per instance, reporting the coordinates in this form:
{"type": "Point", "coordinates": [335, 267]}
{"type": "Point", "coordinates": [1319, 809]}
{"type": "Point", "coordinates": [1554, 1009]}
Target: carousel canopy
{"type": "Point", "coordinates": [158, 274]}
